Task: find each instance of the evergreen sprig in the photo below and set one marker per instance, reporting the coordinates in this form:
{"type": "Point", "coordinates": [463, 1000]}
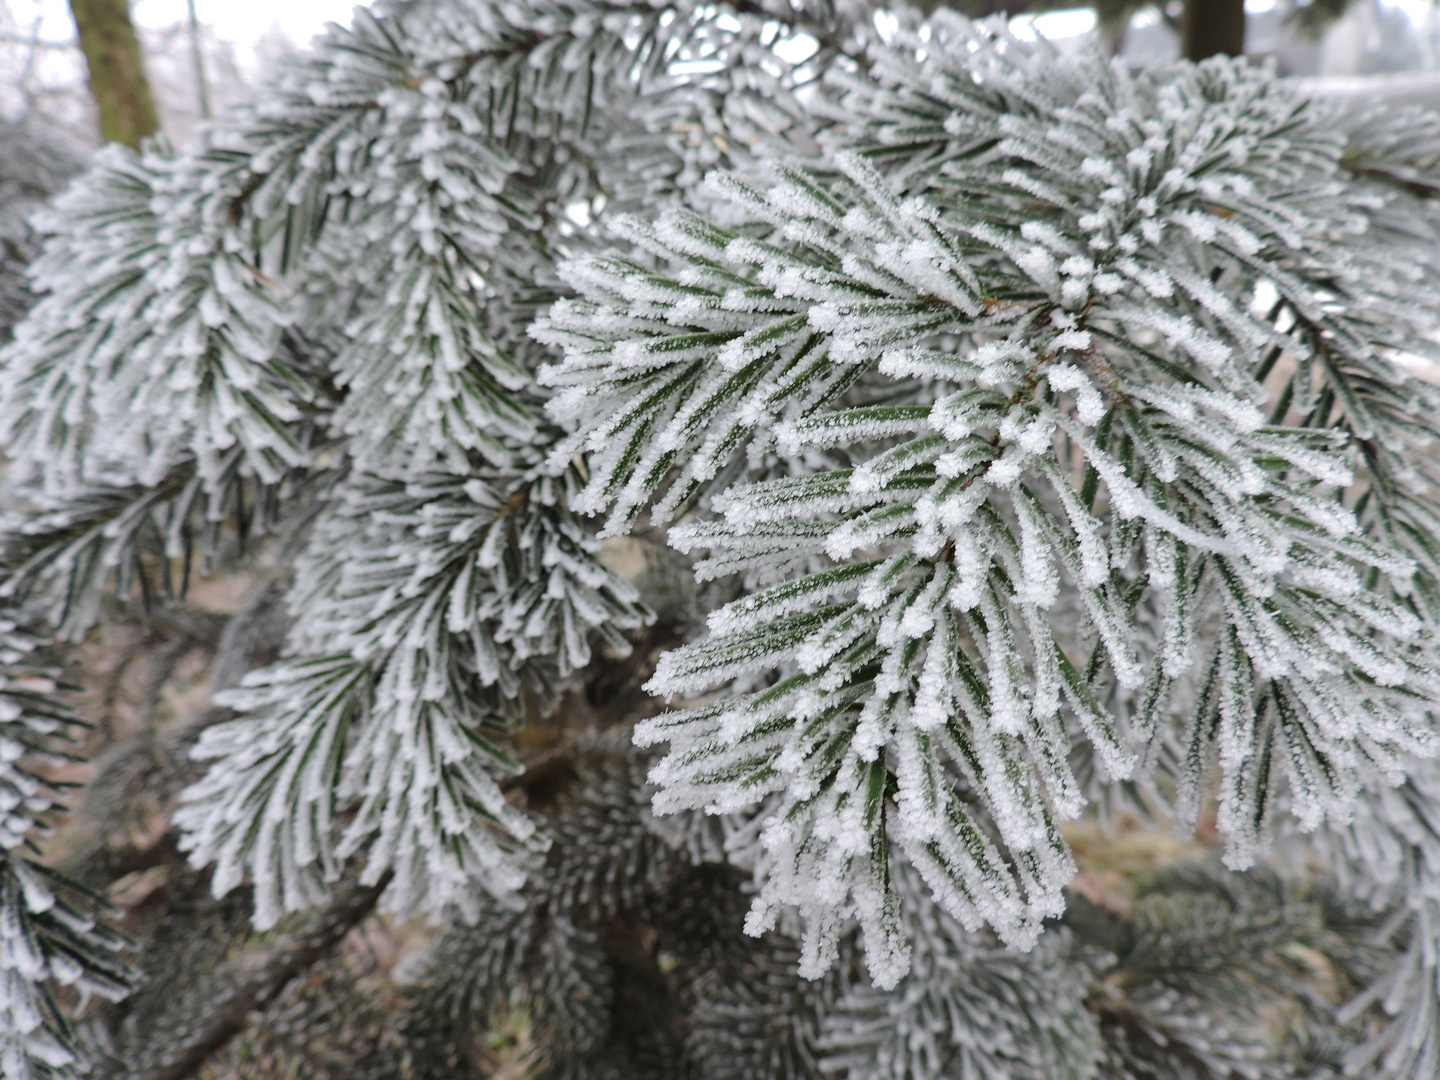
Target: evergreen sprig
{"type": "Point", "coordinates": [952, 580]}
{"type": "Point", "coordinates": [1051, 435]}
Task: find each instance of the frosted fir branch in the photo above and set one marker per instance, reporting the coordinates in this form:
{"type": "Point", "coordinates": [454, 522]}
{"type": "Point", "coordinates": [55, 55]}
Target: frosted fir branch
{"type": "Point", "coordinates": [445, 596]}
{"type": "Point", "coordinates": [287, 771]}
{"type": "Point", "coordinates": [49, 939]}
{"type": "Point", "coordinates": [1052, 421]}
{"type": "Point", "coordinates": [144, 315]}
{"type": "Point", "coordinates": [406, 127]}
{"type": "Point", "coordinates": [1202, 955]}
{"type": "Point", "coordinates": [1386, 858]}
{"type": "Point", "coordinates": [64, 559]}
{"type": "Point", "coordinates": [51, 936]}
{"type": "Point", "coordinates": [271, 809]}
{"type": "Point", "coordinates": [184, 271]}
{"type": "Point", "coordinates": [36, 724]}
{"type": "Point", "coordinates": [38, 163]}
{"type": "Point", "coordinates": [1135, 357]}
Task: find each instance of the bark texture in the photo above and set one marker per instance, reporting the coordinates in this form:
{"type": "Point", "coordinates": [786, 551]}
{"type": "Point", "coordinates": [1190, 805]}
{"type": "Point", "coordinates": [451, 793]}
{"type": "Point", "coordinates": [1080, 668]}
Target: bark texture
{"type": "Point", "coordinates": [1212, 27]}
{"type": "Point", "coordinates": [117, 71]}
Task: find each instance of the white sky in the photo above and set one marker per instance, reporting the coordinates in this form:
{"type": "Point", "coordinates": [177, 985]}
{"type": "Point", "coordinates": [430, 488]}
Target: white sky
{"type": "Point", "coordinates": [243, 22]}
{"type": "Point", "coordinates": [1053, 24]}
{"type": "Point", "coordinates": [239, 21]}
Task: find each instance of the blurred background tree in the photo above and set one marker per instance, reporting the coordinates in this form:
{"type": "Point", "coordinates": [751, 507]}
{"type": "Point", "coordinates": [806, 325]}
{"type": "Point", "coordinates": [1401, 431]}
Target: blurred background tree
{"type": "Point", "coordinates": [116, 68]}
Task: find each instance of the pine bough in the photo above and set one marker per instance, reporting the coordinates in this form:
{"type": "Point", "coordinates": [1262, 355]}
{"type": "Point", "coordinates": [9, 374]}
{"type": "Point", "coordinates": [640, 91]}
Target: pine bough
{"type": "Point", "coordinates": [1055, 428]}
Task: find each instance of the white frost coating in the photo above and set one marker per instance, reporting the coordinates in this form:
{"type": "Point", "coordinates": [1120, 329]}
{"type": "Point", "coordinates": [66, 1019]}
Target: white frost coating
{"type": "Point", "coordinates": [374, 706]}
{"type": "Point", "coordinates": [977, 438]}
{"type": "Point", "coordinates": [45, 935]}
{"type": "Point", "coordinates": [1089, 405]}
{"type": "Point", "coordinates": [1039, 579]}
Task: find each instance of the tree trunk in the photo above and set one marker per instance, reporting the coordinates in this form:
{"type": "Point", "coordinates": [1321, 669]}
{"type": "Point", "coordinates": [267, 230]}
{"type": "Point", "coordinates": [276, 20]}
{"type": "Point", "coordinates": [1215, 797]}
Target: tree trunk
{"type": "Point", "coordinates": [1114, 37]}
{"type": "Point", "coordinates": [197, 60]}
{"type": "Point", "coordinates": [1211, 27]}
{"type": "Point", "coordinates": [117, 73]}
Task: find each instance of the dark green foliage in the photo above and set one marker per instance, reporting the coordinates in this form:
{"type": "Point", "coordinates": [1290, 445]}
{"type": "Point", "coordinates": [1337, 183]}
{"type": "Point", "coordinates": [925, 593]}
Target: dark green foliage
{"type": "Point", "coordinates": [1213, 974]}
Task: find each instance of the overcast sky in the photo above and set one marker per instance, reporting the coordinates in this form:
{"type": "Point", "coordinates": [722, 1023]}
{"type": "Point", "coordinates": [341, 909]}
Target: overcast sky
{"type": "Point", "coordinates": [240, 21]}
